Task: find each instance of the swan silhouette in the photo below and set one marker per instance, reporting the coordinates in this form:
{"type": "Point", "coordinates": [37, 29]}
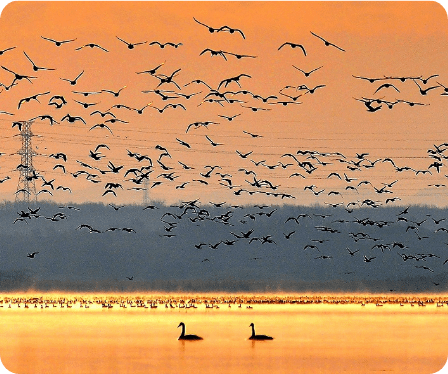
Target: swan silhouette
{"type": "Point", "coordinates": [258, 337]}
{"type": "Point", "coordinates": [187, 337]}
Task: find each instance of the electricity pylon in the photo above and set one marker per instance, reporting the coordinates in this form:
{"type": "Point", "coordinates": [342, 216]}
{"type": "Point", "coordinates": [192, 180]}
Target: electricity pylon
{"type": "Point", "coordinates": [26, 187]}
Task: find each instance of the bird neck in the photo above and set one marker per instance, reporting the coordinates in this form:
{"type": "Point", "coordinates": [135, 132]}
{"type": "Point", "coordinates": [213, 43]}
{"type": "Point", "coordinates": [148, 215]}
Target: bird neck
{"type": "Point", "coordinates": [253, 330]}
{"type": "Point", "coordinates": [183, 330]}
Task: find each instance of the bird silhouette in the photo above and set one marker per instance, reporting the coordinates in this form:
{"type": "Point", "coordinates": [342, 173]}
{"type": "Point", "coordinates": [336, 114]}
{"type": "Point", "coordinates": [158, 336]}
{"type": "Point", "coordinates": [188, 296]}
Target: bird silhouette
{"type": "Point", "coordinates": [231, 30]}
{"type": "Point", "coordinates": [240, 56]}
{"type": "Point", "coordinates": [130, 45]}
{"type": "Point", "coordinates": [371, 80]}
{"type": "Point", "coordinates": [236, 79]}
{"type": "Point", "coordinates": [91, 46]}
{"type": "Point", "coordinates": [63, 188]}
{"type": "Point", "coordinates": [85, 105]}
{"type": "Point", "coordinates": [163, 45]}
{"type": "Point", "coordinates": [212, 142]}
{"type": "Point", "coordinates": [258, 337]}
{"type": "Point", "coordinates": [327, 43]}
{"type": "Point", "coordinates": [183, 336]}
{"type": "Point", "coordinates": [115, 93]}
{"type": "Point", "coordinates": [307, 73]}
{"type": "Point", "coordinates": [58, 43]}
{"type": "Point", "coordinates": [425, 91]}
{"type": "Point", "coordinates": [35, 67]}
{"type": "Point", "coordinates": [151, 71]}
{"type": "Point", "coordinates": [293, 45]}
{"type": "Point", "coordinates": [102, 126]}
{"type": "Point", "coordinates": [18, 77]}
{"type": "Point", "coordinates": [214, 53]}
{"type": "Point", "coordinates": [425, 80]}
{"type": "Point", "coordinates": [252, 135]}
{"type": "Point", "coordinates": [73, 81]}
{"type": "Point", "coordinates": [29, 98]}
{"type": "Point", "coordinates": [6, 50]}
{"type": "Point", "coordinates": [386, 85]}
{"type": "Point", "coordinates": [72, 119]}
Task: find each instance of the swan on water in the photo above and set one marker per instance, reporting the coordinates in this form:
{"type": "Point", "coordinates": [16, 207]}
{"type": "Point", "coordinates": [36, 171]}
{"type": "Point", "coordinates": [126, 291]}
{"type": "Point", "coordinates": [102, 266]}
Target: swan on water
{"type": "Point", "coordinates": [258, 337]}
{"type": "Point", "coordinates": [187, 337]}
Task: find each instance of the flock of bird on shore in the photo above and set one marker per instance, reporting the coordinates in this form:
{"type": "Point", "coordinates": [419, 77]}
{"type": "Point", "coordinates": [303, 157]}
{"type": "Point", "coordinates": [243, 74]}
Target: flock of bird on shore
{"type": "Point", "coordinates": [157, 167]}
{"type": "Point", "coordinates": [67, 303]}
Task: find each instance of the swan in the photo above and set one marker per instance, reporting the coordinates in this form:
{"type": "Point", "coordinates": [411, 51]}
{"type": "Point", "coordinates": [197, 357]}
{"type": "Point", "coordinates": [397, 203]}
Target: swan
{"type": "Point", "coordinates": [258, 337]}
{"type": "Point", "coordinates": [187, 337]}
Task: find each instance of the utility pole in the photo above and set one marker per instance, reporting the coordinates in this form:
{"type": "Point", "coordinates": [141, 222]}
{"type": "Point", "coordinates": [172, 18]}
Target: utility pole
{"type": "Point", "coordinates": [26, 187]}
{"type": "Point", "coordinates": [145, 191]}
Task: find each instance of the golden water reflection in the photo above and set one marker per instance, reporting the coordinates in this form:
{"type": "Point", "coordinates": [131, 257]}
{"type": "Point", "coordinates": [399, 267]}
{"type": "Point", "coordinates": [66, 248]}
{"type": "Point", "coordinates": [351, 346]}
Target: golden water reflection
{"type": "Point", "coordinates": [402, 337]}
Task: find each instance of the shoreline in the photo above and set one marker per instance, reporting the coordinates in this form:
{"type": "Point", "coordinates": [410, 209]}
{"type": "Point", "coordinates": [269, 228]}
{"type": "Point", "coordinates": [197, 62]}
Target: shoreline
{"type": "Point", "coordinates": [218, 299]}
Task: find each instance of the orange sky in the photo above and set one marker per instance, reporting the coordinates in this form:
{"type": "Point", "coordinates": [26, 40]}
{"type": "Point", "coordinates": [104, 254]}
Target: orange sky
{"type": "Point", "coordinates": [380, 39]}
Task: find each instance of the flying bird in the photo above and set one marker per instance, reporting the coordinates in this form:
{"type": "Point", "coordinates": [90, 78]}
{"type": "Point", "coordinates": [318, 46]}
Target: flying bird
{"type": "Point", "coordinates": [58, 43]}
{"type": "Point", "coordinates": [181, 142]}
{"type": "Point", "coordinates": [115, 93]}
{"type": "Point", "coordinates": [233, 79]}
{"type": "Point", "coordinates": [243, 155]}
{"type": "Point", "coordinates": [240, 56]}
{"type": "Point", "coordinates": [425, 91]}
{"type": "Point", "coordinates": [307, 73]}
{"type": "Point", "coordinates": [386, 85]}
{"type": "Point", "coordinates": [163, 45]}
{"type": "Point", "coordinates": [252, 135]}
{"type": "Point", "coordinates": [17, 77]}
{"type": "Point", "coordinates": [35, 67]}
{"type": "Point", "coordinates": [212, 142]}
{"type": "Point", "coordinates": [224, 28]}
{"type": "Point", "coordinates": [6, 50]}
{"type": "Point", "coordinates": [214, 53]}
{"type": "Point", "coordinates": [102, 126]}
{"type": "Point", "coordinates": [231, 30]}
{"type": "Point", "coordinates": [229, 118]}
{"type": "Point", "coordinates": [327, 43]}
{"type": "Point", "coordinates": [92, 45]}
{"type": "Point", "coordinates": [73, 81]}
{"type": "Point", "coordinates": [85, 105]}
{"type": "Point", "coordinates": [293, 45]}
{"type": "Point", "coordinates": [64, 188]}
{"type": "Point", "coordinates": [72, 119]}
{"type": "Point", "coordinates": [130, 45]}
{"type": "Point", "coordinates": [29, 98]}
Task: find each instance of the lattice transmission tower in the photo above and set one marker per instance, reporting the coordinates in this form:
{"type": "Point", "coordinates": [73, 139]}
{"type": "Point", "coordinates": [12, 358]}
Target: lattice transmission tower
{"type": "Point", "coordinates": [26, 187]}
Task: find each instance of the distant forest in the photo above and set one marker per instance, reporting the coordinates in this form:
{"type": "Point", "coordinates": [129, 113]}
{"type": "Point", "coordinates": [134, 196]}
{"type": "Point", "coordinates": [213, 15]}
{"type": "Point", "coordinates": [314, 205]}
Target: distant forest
{"type": "Point", "coordinates": [194, 247]}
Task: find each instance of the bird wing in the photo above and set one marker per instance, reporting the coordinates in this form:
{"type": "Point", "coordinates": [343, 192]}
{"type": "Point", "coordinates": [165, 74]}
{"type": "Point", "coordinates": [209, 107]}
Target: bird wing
{"type": "Point", "coordinates": [123, 40]}
{"type": "Point", "coordinates": [286, 43]}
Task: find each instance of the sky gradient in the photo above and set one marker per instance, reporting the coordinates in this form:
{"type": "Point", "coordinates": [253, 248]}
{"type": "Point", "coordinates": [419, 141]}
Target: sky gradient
{"type": "Point", "coordinates": [391, 39]}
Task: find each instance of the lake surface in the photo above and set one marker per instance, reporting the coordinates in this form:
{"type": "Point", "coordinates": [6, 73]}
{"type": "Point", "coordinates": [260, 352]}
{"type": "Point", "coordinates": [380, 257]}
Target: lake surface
{"type": "Point", "coordinates": [317, 338]}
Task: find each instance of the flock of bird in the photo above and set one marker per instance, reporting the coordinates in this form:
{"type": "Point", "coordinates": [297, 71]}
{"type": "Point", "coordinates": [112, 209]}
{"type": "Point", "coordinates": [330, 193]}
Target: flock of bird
{"type": "Point", "coordinates": [162, 165]}
{"type": "Point", "coordinates": [303, 163]}
{"type": "Point", "coordinates": [356, 240]}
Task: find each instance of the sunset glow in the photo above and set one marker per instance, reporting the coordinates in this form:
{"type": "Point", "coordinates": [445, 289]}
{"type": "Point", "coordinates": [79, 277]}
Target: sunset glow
{"type": "Point", "coordinates": [226, 187]}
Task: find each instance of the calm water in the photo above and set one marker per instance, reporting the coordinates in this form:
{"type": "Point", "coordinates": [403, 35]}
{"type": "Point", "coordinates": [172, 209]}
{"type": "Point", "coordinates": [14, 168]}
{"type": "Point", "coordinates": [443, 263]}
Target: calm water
{"type": "Point", "coordinates": [308, 339]}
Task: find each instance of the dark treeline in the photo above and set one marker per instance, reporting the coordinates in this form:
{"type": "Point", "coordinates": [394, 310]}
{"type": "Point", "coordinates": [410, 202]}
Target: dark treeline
{"type": "Point", "coordinates": [202, 247]}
